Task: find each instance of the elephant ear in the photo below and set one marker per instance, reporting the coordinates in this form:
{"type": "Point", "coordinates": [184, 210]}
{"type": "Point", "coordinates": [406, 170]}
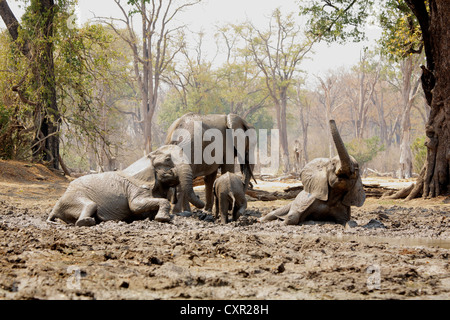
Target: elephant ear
{"type": "Point", "coordinates": [149, 175]}
{"type": "Point", "coordinates": [314, 178]}
{"type": "Point", "coordinates": [356, 195]}
{"type": "Point", "coordinates": [236, 122]}
{"type": "Point", "coordinates": [142, 172]}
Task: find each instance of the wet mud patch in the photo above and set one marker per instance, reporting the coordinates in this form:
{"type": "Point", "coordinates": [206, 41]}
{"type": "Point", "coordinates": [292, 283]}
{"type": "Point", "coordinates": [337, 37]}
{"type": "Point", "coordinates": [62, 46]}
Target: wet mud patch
{"type": "Point", "coordinates": [391, 250]}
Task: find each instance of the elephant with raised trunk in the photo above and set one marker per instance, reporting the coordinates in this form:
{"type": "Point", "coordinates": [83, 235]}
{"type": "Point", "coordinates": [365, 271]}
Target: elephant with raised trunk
{"type": "Point", "coordinates": [137, 192]}
{"type": "Point", "coordinates": [208, 131]}
{"type": "Point", "coordinates": [331, 187]}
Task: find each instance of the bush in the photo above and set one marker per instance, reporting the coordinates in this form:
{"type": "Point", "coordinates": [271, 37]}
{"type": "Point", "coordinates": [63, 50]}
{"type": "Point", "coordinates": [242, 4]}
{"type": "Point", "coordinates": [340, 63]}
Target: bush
{"type": "Point", "coordinates": [419, 151]}
{"type": "Point", "coordinates": [364, 150]}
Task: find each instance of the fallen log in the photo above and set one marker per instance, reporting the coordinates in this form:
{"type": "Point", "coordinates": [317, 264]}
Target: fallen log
{"type": "Point", "coordinates": [371, 190]}
{"type": "Point", "coordinates": [378, 174]}
{"type": "Point", "coordinates": [262, 195]}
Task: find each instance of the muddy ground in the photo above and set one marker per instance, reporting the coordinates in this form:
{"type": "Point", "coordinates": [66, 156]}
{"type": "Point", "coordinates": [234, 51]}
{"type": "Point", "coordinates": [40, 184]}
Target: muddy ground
{"type": "Point", "coordinates": [393, 249]}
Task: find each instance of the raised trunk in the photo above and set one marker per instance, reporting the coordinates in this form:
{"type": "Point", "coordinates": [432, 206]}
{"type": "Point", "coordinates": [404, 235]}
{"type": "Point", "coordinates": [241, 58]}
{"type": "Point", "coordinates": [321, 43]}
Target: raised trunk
{"type": "Point", "coordinates": [341, 150]}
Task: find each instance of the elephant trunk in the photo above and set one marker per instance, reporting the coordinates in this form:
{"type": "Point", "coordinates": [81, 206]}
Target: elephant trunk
{"type": "Point", "coordinates": [344, 157]}
{"type": "Point", "coordinates": [248, 174]}
{"type": "Point", "coordinates": [185, 175]}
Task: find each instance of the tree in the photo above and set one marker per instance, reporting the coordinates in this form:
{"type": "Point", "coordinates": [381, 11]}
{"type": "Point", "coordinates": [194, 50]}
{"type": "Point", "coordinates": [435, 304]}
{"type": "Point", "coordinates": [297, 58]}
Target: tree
{"type": "Point", "coordinates": [93, 87]}
{"type": "Point", "coordinates": [159, 44]}
{"type": "Point", "coordinates": [433, 19]}
{"type": "Point", "coordinates": [277, 52]}
{"type": "Point", "coordinates": [242, 87]}
{"type": "Point", "coordinates": [360, 95]}
{"type": "Point", "coordinates": [329, 95]}
{"type": "Point", "coordinates": [302, 100]}
{"type": "Point", "coordinates": [34, 38]}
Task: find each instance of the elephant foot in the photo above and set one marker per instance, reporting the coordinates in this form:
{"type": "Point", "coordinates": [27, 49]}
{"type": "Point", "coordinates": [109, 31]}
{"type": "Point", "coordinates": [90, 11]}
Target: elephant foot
{"type": "Point", "coordinates": [162, 218]}
{"type": "Point", "coordinates": [86, 222]}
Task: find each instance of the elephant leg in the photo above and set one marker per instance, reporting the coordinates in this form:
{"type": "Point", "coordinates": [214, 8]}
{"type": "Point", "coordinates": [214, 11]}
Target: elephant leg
{"type": "Point", "coordinates": [209, 182]}
{"type": "Point", "coordinates": [87, 214]}
{"type": "Point", "coordinates": [277, 214]}
{"type": "Point", "coordinates": [179, 202]}
{"type": "Point", "coordinates": [303, 205]}
{"type": "Point", "coordinates": [55, 213]}
{"type": "Point", "coordinates": [239, 209]}
{"type": "Point", "coordinates": [341, 214]}
{"type": "Point", "coordinates": [142, 205]}
{"type": "Point", "coordinates": [223, 207]}
{"type": "Point", "coordinates": [186, 205]}
{"type": "Point", "coordinates": [71, 209]}
{"type": "Point", "coordinates": [216, 207]}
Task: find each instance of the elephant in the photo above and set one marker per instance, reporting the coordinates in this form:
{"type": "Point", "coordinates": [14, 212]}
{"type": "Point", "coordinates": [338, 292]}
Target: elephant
{"type": "Point", "coordinates": [224, 159]}
{"type": "Point", "coordinates": [331, 187]}
{"type": "Point", "coordinates": [229, 194]}
{"type": "Point", "coordinates": [137, 192]}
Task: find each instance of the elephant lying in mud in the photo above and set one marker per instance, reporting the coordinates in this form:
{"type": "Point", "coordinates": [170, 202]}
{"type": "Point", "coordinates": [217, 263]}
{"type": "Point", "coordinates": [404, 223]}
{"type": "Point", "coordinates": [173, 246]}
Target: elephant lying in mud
{"type": "Point", "coordinates": [331, 187]}
{"type": "Point", "coordinates": [137, 192]}
{"type": "Point", "coordinates": [229, 192]}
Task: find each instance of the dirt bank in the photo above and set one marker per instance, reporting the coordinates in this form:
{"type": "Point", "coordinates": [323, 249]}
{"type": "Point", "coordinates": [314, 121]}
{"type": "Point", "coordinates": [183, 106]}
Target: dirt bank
{"type": "Point", "coordinates": [392, 249]}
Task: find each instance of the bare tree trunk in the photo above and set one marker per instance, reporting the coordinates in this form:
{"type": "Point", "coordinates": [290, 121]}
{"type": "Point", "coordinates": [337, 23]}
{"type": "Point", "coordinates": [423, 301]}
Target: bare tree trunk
{"type": "Point", "coordinates": [304, 122]}
{"type": "Point", "coordinates": [437, 179]}
{"type": "Point", "coordinates": [283, 132]}
{"type": "Point", "coordinates": [435, 80]}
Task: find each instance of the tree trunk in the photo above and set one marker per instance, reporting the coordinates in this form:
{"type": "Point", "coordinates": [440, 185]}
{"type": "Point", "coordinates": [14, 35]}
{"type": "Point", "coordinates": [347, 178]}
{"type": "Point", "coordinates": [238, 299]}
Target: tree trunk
{"type": "Point", "coordinates": [436, 180]}
{"type": "Point", "coordinates": [436, 85]}
{"type": "Point", "coordinates": [283, 131]}
{"type": "Point", "coordinates": [405, 143]}
{"type": "Point", "coordinates": [52, 117]}
{"type": "Point", "coordinates": [304, 122]}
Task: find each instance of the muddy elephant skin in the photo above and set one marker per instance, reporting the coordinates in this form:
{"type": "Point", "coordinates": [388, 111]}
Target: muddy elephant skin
{"type": "Point", "coordinates": [220, 123]}
{"type": "Point", "coordinates": [331, 187]}
{"type": "Point", "coordinates": [137, 192]}
{"type": "Point", "coordinates": [229, 194]}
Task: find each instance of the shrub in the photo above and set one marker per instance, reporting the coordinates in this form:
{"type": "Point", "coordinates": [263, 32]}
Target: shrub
{"type": "Point", "coordinates": [364, 150]}
{"type": "Point", "coordinates": [419, 151]}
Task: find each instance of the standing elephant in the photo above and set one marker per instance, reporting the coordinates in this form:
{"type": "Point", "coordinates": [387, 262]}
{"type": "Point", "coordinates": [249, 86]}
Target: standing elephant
{"type": "Point", "coordinates": [139, 191]}
{"type": "Point", "coordinates": [218, 125]}
{"type": "Point", "coordinates": [230, 195]}
{"type": "Point", "coordinates": [331, 187]}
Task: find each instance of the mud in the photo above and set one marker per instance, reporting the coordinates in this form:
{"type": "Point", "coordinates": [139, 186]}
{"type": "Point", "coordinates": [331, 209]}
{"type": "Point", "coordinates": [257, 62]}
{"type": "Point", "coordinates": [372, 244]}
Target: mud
{"type": "Point", "coordinates": [391, 249]}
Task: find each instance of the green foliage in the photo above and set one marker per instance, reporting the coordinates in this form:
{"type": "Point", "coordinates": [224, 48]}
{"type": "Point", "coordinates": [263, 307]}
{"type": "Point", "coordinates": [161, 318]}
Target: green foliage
{"type": "Point", "coordinates": [401, 31]}
{"type": "Point", "coordinates": [344, 20]}
{"type": "Point", "coordinates": [261, 119]}
{"type": "Point", "coordinates": [364, 150]}
{"type": "Point", "coordinates": [337, 20]}
{"type": "Point", "coordinates": [419, 151]}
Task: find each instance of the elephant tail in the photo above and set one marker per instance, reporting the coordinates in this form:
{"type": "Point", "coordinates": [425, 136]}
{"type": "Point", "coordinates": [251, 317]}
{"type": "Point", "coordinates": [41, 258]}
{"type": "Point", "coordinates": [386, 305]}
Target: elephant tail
{"type": "Point", "coordinates": [277, 214]}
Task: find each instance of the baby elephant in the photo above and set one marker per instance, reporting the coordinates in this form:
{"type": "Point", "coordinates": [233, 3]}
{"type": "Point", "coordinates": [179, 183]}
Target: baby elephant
{"type": "Point", "coordinates": [229, 193]}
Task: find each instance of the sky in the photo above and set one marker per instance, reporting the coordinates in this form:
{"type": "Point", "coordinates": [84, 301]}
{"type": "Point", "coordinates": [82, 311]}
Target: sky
{"type": "Point", "coordinates": [205, 16]}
